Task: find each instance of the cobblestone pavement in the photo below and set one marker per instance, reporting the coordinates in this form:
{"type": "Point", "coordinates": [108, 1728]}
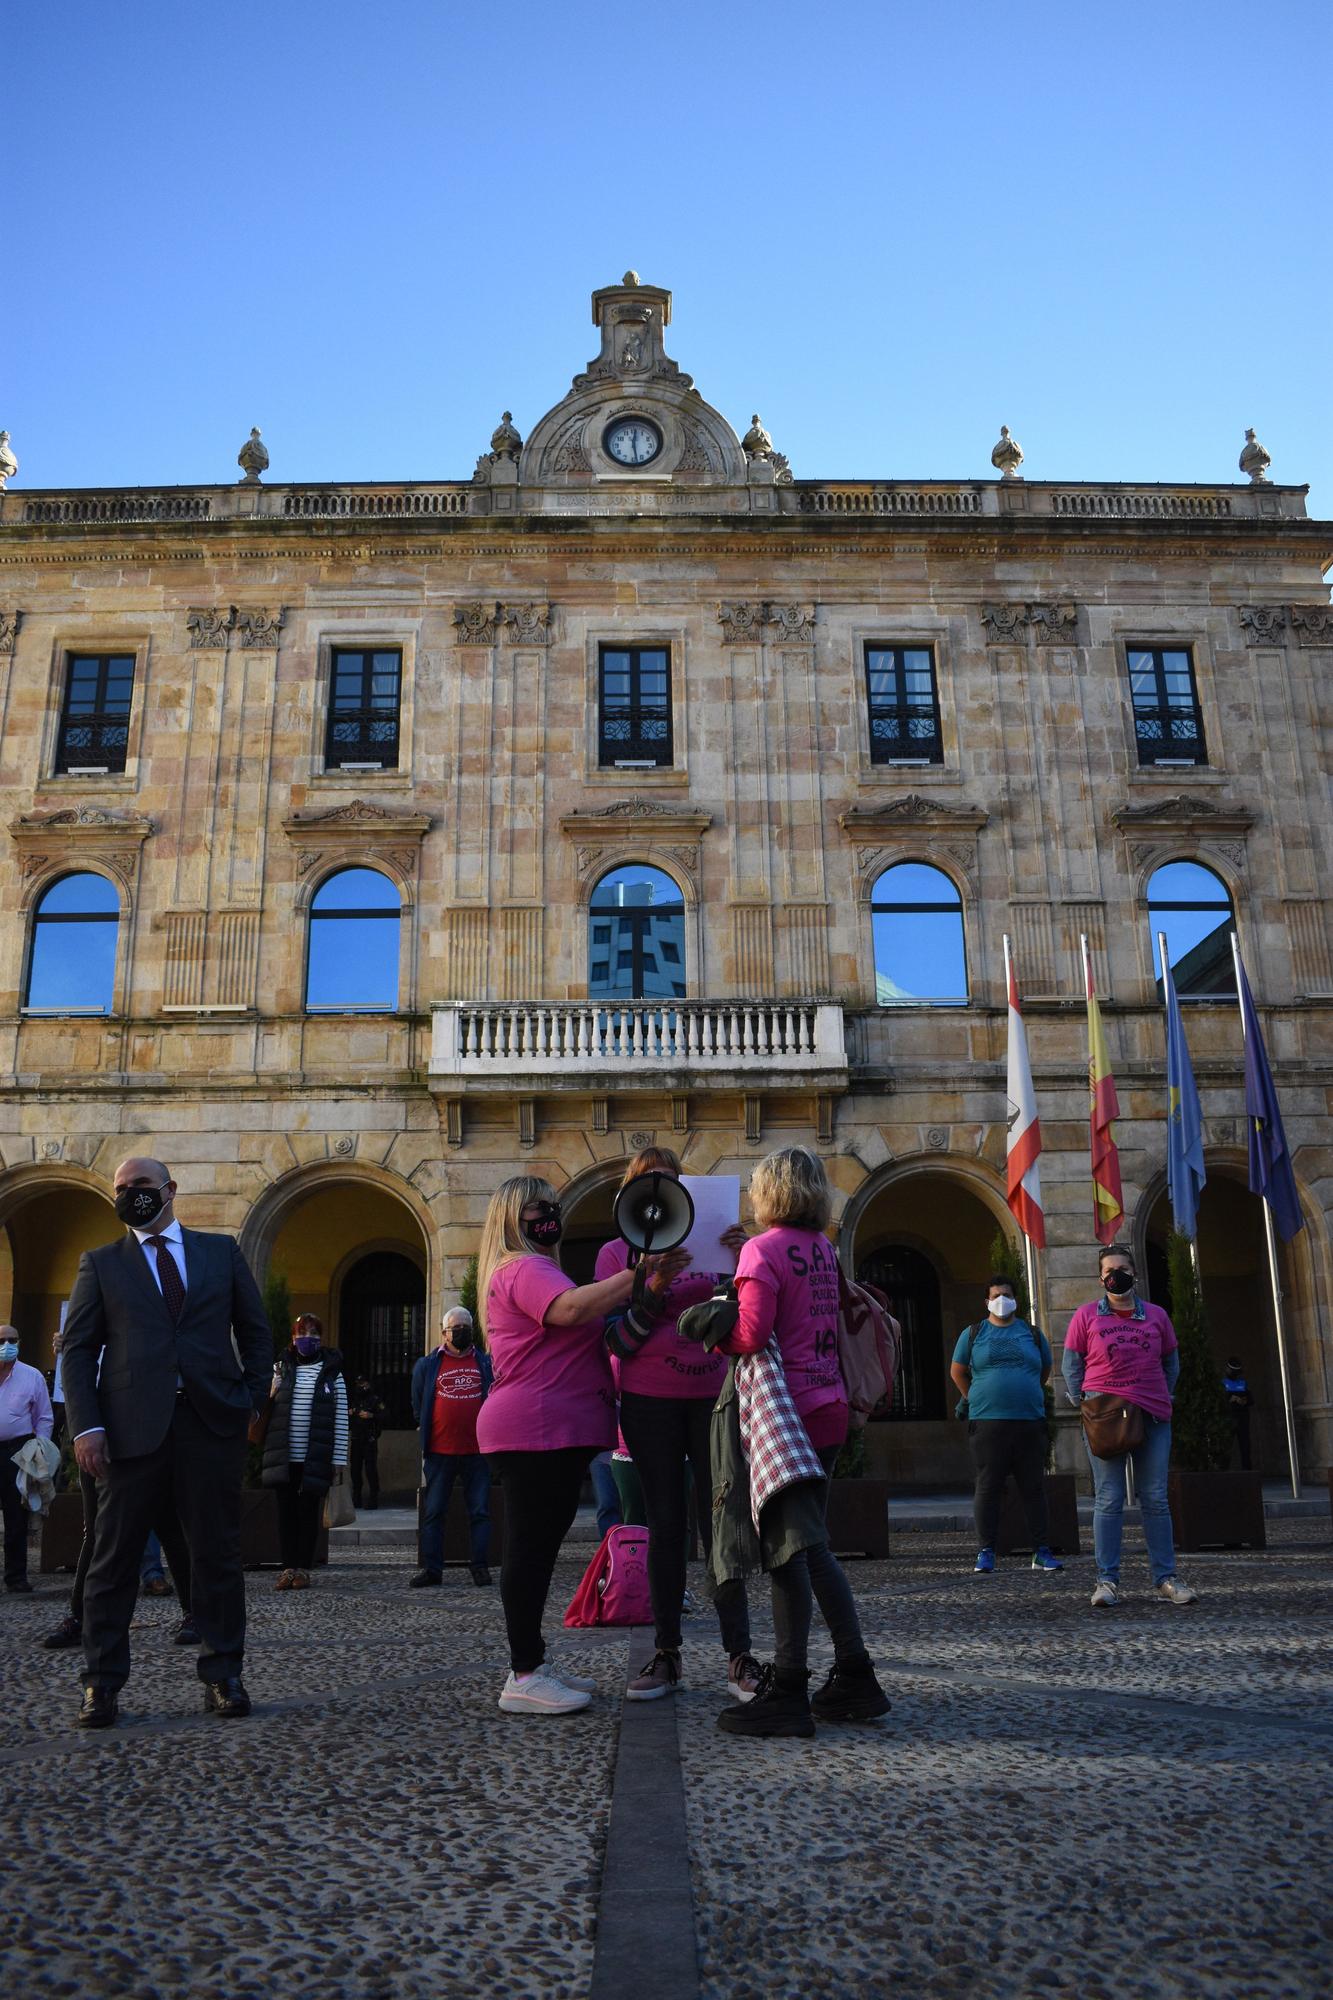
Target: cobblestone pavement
{"type": "Point", "coordinates": [1062, 1802]}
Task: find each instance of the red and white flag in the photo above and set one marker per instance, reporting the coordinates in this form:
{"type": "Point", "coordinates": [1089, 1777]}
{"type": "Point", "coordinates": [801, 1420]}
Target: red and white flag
{"type": "Point", "coordinates": [1024, 1143]}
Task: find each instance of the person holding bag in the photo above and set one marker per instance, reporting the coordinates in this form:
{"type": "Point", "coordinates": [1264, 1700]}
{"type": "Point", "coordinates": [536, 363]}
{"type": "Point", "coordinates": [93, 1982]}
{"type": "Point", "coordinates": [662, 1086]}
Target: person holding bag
{"type": "Point", "coordinates": [1120, 1367]}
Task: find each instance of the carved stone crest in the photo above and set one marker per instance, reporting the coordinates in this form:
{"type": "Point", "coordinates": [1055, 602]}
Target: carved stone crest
{"type": "Point", "coordinates": [1183, 809]}
{"type": "Point", "coordinates": [9, 626]}
{"type": "Point", "coordinates": [475, 624]}
{"type": "Point", "coordinates": [694, 458]}
{"type": "Point", "coordinates": [635, 808]}
{"type": "Point", "coordinates": [1006, 624]}
{"type": "Point", "coordinates": [741, 623]}
{"type": "Point", "coordinates": [358, 813]}
{"type": "Point", "coordinates": [1263, 624]}
{"type": "Point", "coordinates": [259, 628]}
{"type": "Point", "coordinates": [571, 457]}
{"type": "Point", "coordinates": [1054, 624]}
{"type": "Point", "coordinates": [910, 810]}
{"type": "Point", "coordinates": [1313, 624]}
{"type": "Point", "coordinates": [83, 819]}
{"type": "Point", "coordinates": [528, 624]}
{"type": "Point", "coordinates": [795, 622]}
{"type": "Point", "coordinates": [208, 626]}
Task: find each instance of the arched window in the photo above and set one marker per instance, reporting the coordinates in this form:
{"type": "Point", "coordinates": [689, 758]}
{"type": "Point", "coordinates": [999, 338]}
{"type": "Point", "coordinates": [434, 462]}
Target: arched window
{"type": "Point", "coordinates": [1191, 904]}
{"type": "Point", "coordinates": [72, 967]}
{"type": "Point", "coordinates": [353, 965]}
{"type": "Point", "coordinates": [636, 936]}
{"type": "Point", "coordinates": [917, 917]}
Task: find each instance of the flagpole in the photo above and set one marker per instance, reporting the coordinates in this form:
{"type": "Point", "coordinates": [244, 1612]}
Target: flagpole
{"type": "Point", "coordinates": [1131, 1498]}
{"type": "Point", "coordinates": [1287, 1410]}
{"type": "Point", "coordinates": [1029, 1253]}
{"type": "Point", "coordinates": [1193, 1241]}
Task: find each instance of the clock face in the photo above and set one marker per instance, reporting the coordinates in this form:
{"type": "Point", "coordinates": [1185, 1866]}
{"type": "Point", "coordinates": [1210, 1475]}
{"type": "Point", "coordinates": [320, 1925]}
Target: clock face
{"type": "Point", "coordinates": [633, 441]}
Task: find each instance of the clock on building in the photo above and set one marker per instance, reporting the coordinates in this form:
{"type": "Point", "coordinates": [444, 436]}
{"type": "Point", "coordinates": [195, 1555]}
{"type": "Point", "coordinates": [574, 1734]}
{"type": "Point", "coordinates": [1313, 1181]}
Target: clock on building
{"type": "Point", "coordinates": [632, 441]}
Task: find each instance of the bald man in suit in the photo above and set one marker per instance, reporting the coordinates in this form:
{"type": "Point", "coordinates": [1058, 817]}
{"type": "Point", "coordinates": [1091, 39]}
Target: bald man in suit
{"type": "Point", "coordinates": [186, 1354]}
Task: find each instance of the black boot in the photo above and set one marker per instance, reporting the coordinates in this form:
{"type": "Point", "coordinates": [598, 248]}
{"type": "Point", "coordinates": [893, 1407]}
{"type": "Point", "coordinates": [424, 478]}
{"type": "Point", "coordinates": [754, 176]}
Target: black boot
{"type": "Point", "coordinates": [781, 1707]}
{"type": "Point", "coordinates": [851, 1693]}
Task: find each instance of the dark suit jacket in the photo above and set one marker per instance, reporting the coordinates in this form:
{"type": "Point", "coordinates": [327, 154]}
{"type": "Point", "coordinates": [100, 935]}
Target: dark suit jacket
{"type": "Point", "coordinates": [221, 1348]}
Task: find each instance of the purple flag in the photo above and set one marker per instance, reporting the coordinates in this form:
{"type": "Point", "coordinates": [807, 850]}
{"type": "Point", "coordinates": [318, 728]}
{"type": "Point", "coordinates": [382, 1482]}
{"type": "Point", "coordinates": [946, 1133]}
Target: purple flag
{"type": "Point", "coordinates": [1271, 1172]}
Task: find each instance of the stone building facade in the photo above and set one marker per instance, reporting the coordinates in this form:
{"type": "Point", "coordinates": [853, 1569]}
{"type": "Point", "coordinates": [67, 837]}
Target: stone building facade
{"type": "Point", "coordinates": [821, 682]}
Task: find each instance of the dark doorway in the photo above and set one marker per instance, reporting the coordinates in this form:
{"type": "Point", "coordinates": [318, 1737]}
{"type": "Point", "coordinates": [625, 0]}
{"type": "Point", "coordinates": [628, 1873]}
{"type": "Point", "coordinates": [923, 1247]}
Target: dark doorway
{"type": "Point", "coordinates": [912, 1286]}
{"type": "Point", "coordinates": [382, 1322]}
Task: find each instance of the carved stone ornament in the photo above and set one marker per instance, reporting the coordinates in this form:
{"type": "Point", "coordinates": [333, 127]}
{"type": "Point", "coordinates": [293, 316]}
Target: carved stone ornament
{"type": "Point", "coordinates": [252, 459]}
{"type": "Point", "coordinates": [344, 1146]}
{"type": "Point", "coordinates": [208, 626]}
{"type": "Point", "coordinates": [1007, 455]}
{"type": "Point", "coordinates": [795, 622]}
{"type": "Point", "coordinates": [1182, 810]}
{"type": "Point", "coordinates": [1254, 461]}
{"type": "Point", "coordinates": [474, 624]}
{"type": "Point", "coordinates": [259, 628]}
{"type": "Point", "coordinates": [757, 443]}
{"type": "Point", "coordinates": [1006, 624]}
{"type": "Point", "coordinates": [694, 457]}
{"type": "Point", "coordinates": [742, 624]}
{"type": "Point", "coordinates": [357, 815]}
{"type": "Point", "coordinates": [571, 457]}
{"type": "Point", "coordinates": [1054, 624]}
{"type": "Point", "coordinates": [635, 808]}
{"type": "Point", "coordinates": [1263, 624]}
{"type": "Point", "coordinates": [937, 1138]}
{"type": "Point", "coordinates": [782, 472]}
{"type": "Point", "coordinates": [528, 624]}
{"type": "Point", "coordinates": [505, 440]}
{"type": "Point", "coordinates": [1313, 624]}
{"type": "Point", "coordinates": [863, 823]}
{"type": "Point", "coordinates": [9, 628]}
{"type": "Point", "coordinates": [85, 819]}
{"type": "Point", "coordinates": [9, 465]}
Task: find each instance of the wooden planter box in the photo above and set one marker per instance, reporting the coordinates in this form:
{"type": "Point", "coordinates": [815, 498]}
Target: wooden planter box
{"type": "Point", "coordinates": [456, 1529]}
{"type": "Point", "coordinates": [858, 1517]}
{"type": "Point", "coordinates": [259, 1531]}
{"type": "Point", "coordinates": [1061, 1515]}
{"type": "Point", "coordinates": [62, 1532]}
{"type": "Point", "coordinates": [1212, 1510]}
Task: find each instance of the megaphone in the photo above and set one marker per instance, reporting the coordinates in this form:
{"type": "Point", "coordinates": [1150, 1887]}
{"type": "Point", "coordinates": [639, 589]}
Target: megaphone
{"type": "Point", "coordinates": [653, 1212]}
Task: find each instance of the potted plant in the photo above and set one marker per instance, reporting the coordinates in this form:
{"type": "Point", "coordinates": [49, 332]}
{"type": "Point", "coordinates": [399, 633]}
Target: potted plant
{"type": "Point", "coordinates": [1061, 1487]}
{"type": "Point", "coordinates": [1210, 1507]}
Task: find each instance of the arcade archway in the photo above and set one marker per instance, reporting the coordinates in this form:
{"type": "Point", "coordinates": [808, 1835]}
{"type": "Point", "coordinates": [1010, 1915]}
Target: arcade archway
{"type": "Point", "coordinates": [46, 1224]}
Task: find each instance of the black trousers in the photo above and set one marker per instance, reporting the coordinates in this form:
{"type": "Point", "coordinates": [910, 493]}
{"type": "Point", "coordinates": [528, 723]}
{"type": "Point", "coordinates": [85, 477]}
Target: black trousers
{"type": "Point", "coordinates": [1000, 1446]}
{"type": "Point", "coordinates": [814, 1577]}
{"type": "Point", "coordinates": [665, 1434]}
{"type": "Point", "coordinates": [541, 1490]}
{"type": "Point", "coordinates": [166, 1527]}
{"type": "Point", "coordinates": [364, 1459]}
{"type": "Point", "coordinates": [16, 1514]}
{"type": "Point", "coordinates": [202, 1473]}
{"type": "Point", "coordinates": [300, 1511]}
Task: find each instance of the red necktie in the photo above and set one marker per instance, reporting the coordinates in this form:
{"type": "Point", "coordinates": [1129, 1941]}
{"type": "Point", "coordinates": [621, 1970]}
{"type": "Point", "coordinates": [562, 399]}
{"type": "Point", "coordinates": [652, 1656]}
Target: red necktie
{"type": "Point", "coordinates": [169, 1277]}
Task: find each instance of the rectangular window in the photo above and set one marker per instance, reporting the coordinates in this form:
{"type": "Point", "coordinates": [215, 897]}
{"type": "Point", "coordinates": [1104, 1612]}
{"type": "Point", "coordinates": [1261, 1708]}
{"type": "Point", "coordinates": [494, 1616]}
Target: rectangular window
{"type": "Point", "coordinates": [364, 692]}
{"type": "Point", "coordinates": [904, 706]}
{"type": "Point", "coordinates": [635, 706]}
{"type": "Point", "coordinates": [1168, 726]}
{"type": "Point", "coordinates": [95, 721]}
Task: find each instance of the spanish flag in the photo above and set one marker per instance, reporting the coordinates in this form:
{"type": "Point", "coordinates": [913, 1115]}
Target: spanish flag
{"type": "Point", "coordinates": [1108, 1205]}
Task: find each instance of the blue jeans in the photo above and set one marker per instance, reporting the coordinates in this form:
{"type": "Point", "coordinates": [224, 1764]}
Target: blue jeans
{"type": "Point", "coordinates": [606, 1493]}
{"type": "Point", "coordinates": [150, 1569]}
{"type": "Point", "coordinates": [442, 1468]}
{"type": "Point", "coordinates": [1151, 1460]}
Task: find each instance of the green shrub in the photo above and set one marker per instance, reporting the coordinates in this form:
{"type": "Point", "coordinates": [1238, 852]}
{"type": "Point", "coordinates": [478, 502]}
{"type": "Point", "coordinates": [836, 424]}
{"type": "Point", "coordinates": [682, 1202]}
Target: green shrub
{"type": "Point", "coordinates": [1201, 1427]}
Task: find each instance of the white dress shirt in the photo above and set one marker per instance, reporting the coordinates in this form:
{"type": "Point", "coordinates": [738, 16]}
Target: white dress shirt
{"type": "Point", "coordinates": [174, 1241]}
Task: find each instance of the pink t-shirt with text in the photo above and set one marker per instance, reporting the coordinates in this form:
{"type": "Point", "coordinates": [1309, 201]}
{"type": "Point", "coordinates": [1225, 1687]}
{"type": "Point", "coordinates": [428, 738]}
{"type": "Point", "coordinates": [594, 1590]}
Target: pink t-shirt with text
{"type": "Point", "coordinates": [666, 1365]}
{"type": "Point", "coordinates": [1124, 1354]}
{"type": "Point", "coordinates": [787, 1284]}
{"type": "Point", "coordinates": [552, 1384]}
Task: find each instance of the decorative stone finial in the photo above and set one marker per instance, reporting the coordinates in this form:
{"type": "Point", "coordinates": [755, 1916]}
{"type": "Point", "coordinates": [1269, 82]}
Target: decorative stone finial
{"type": "Point", "coordinates": [252, 459]}
{"type": "Point", "coordinates": [505, 440]}
{"type": "Point", "coordinates": [757, 443]}
{"type": "Point", "coordinates": [9, 465]}
{"type": "Point", "coordinates": [1007, 455]}
{"type": "Point", "coordinates": [630, 278]}
{"type": "Point", "coordinates": [1255, 461]}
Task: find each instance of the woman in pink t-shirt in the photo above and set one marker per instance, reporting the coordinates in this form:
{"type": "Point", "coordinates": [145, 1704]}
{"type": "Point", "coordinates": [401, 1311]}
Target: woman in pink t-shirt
{"type": "Point", "coordinates": [787, 1288]}
{"type": "Point", "coordinates": [667, 1390]}
{"type": "Point", "coordinates": [550, 1411]}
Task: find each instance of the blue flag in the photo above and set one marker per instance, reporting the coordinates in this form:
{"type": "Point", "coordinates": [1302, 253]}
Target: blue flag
{"type": "Point", "coordinates": [1271, 1172]}
{"type": "Point", "coordinates": [1185, 1172]}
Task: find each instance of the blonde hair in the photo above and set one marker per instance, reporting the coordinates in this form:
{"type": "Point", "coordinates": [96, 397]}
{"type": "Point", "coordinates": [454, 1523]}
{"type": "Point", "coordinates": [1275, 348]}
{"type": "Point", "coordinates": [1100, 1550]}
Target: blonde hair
{"type": "Point", "coordinates": [652, 1160]}
{"type": "Point", "coordinates": [790, 1187]}
{"type": "Point", "coordinates": [503, 1236]}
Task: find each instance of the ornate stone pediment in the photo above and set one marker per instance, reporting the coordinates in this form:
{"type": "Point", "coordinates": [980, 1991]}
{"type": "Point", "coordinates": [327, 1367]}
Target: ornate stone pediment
{"type": "Point", "coordinates": [666, 820]}
{"type": "Point", "coordinates": [637, 830]}
{"type": "Point", "coordinates": [869, 823]}
{"type": "Point", "coordinates": [1184, 811]}
{"type": "Point", "coordinates": [360, 818]}
{"type": "Point", "coordinates": [82, 823]}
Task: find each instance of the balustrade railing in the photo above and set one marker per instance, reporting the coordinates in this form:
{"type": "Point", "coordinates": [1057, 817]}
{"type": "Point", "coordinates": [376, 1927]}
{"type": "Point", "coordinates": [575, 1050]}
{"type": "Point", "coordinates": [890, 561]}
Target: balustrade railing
{"type": "Point", "coordinates": [479, 1038]}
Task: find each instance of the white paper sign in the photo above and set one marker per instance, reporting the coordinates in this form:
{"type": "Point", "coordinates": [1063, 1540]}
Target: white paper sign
{"type": "Point", "coordinates": [717, 1208]}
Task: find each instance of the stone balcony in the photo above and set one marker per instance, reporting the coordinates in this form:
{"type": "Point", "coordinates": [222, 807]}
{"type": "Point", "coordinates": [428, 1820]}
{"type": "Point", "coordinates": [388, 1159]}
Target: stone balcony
{"type": "Point", "coordinates": [750, 1045]}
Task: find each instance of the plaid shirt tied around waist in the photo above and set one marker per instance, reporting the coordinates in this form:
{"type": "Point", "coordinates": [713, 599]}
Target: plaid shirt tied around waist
{"type": "Point", "coordinates": [773, 1438]}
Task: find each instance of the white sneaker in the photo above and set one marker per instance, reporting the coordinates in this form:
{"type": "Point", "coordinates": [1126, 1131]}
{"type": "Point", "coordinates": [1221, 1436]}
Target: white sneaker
{"type": "Point", "coordinates": [581, 1683]}
{"type": "Point", "coordinates": [1106, 1594]}
{"type": "Point", "coordinates": [1176, 1592]}
{"type": "Point", "coordinates": [541, 1694]}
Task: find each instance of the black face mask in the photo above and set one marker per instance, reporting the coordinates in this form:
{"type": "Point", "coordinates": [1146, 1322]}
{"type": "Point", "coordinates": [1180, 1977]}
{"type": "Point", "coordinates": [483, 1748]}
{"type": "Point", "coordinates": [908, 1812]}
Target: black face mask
{"type": "Point", "coordinates": [1118, 1282]}
{"type": "Point", "coordinates": [548, 1228]}
{"type": "Point", "coordinates": [139, 1206]}
{"type": "Point", "coordinates": [460, 1338]}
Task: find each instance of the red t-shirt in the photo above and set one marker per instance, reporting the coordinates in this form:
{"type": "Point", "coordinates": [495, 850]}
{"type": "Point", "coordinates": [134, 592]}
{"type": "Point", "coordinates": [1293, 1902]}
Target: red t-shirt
{"type": "Point", "coordinates": [454, 1407]}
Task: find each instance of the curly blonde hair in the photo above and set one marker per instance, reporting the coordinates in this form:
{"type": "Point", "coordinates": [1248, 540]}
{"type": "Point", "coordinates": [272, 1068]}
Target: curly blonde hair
{"type": "Point", "coordinates": [503, 1236]}
{"type": "Point", "coordinates": [790, 1188]}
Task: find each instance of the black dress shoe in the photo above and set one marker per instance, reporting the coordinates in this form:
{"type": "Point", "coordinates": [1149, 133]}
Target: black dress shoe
{"type": "Point", "coordinates": [68, 1632]}
{"type": "Point", "coordinates": [480, 1573]}
{"type": "Point", "coordinates": [20, 1587]}
{"type": "Point", "coordinates": [423, 1578]}
{"type": "Point", "coordinates": [227, 1699]}
{"type": "Point", "coordinates": [97, 1709]}
{"type": "Point", "coordinates": [186, 1633]}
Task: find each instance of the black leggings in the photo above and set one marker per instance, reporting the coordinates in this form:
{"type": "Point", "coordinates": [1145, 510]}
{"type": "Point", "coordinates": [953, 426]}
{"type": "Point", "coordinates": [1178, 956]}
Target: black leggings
{"type": "Point", "coordinates": [1001, 1445]}
{"type": "Point", "coordinates": [814, 1573]}
{"type": "Point", "coordinates": [541, 1490]}
{"type": "Point", "coordinates": [300, 1511]}
{"type": "Point", "coordinates": [664, 1435]}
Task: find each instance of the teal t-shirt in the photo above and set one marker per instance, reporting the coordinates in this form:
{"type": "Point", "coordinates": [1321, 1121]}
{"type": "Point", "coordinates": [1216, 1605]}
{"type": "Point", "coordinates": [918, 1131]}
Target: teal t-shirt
{"type": "Point", "coordinates": [1006, 1370]}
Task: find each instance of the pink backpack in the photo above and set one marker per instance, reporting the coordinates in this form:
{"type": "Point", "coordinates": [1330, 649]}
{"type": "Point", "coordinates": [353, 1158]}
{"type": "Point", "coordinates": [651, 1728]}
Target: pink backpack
{"type": "Point", "coordinates": [614, 1587]}
{"type": "Point", "coordinates": [870, 1345]}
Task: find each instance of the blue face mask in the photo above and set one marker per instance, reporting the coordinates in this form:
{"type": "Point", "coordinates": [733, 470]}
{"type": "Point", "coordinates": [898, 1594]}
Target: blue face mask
{"type": "Point", "coordinates": [9, 1351]}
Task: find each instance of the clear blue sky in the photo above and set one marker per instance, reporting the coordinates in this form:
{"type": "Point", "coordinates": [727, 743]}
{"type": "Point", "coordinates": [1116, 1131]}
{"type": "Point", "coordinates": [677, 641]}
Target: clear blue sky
{"type": "Point", "coordinates": [888, 228]}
